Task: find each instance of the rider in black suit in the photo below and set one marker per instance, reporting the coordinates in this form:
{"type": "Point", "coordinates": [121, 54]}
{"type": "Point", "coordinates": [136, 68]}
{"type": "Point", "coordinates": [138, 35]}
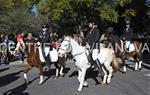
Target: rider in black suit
{"type": "Point", "coordinates": [128, 34]}
{"type": "Point", "coordinates": [45, 38]}
{"type": "Point", "coordinates": [92, 40]}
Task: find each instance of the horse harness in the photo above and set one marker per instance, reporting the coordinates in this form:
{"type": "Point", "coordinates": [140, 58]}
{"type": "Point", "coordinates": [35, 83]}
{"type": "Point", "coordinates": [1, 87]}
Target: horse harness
{"type": "Point", "coordinates": [70, 48]}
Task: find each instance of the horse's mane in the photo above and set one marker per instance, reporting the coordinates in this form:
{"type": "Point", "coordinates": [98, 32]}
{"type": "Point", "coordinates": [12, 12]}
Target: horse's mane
{"type": "Point", "coordinates": [77, 47]}
{"type": "Point", "coordinates": [114, 39]}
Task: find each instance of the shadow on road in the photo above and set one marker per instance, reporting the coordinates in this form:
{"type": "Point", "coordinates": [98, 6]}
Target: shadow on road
{"type": "Point", "coordinates": [146, 60]}
{"type": "Point", "coordinates": [4, 69]}
{"type": "Point", "coordinates": [89, 74]}
{"type": "Point", "coordinates": [18, 90]}
{"type": "Point", "coordinates": [73, 74]}
{"type": "Point", "coordinates": [93, 74]}
{"type": "Point", "coordinates": [52, 72]}
{"type": "Point", "coordinates": [7, 79]}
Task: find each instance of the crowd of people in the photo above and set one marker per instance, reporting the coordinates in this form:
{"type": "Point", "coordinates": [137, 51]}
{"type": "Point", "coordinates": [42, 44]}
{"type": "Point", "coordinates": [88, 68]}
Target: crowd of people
{"type": "Point", "coordinates": [9, 43]}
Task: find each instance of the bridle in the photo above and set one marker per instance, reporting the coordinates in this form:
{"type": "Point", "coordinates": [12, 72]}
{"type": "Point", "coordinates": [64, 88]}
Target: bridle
{"type": "Point", "coordinates": [69, 48]}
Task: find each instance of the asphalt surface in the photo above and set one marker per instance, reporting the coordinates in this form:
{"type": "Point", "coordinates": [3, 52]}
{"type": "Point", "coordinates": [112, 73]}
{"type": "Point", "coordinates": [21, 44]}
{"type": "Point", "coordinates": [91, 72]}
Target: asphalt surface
{"type": "Point", "coordinates": [131, 83]}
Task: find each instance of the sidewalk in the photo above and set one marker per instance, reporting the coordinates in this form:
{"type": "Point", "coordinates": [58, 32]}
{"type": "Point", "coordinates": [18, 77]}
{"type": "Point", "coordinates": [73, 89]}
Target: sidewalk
{"type": "Point", "coordinates": [18, 62]}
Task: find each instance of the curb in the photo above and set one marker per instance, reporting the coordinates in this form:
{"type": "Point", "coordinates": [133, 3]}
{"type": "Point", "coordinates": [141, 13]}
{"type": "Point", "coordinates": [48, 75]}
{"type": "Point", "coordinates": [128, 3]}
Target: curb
{"type": "Point", "coordinates": [18, 63]}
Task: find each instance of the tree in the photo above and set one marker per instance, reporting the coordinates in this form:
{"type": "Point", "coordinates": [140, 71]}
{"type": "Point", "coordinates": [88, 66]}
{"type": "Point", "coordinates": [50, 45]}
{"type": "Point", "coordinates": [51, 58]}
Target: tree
{"type": "Point", "coordinates": [21, 20]}
{"type": "Point", "coordinates": [107, 12]}
{"type": "Point", "coordinates": [7, 6]}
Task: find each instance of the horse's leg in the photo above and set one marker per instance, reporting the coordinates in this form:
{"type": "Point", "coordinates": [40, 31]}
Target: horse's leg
{"type": "Point", "coordinates": [47, 66]}
{"type": "Point", "coordinates": [81, 80]}
{"type": "Point", "coordinates": [61, 62]}
{"type": "Point", "coordinates": [61, 71]}
{"type": "Point", "coordinates": [136, 63]}
{"type": "Point", "coordinates": [136, 66]}
{"type": "Point", "coordinates": [79, 75]}
{"type": "Point", "coordinates": [104, 77]}
{"type": "Point", "coordinates": [124, 66]}
{"type": "Point", "coordinates": [140, 65]}
{"type": "Point", "coordinates": [110, 71]}
{"type": "Point", "coordinates": [25, 73]}
{"type": "Point", "coordinates": [40, 67]}
{"type": "Point", "coordinates": [57, 70]}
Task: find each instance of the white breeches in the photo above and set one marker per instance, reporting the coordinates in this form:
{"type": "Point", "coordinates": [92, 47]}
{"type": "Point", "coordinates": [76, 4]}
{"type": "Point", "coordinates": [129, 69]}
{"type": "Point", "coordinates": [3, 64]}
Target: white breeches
{"type": "Point", "coordinates": [95, 54]}
{"type": "Point", "coordinates": [127, 44]}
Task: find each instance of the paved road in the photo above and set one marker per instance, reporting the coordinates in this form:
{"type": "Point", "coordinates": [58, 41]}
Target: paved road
{"type": "Point", "coordinates": [131, 83]}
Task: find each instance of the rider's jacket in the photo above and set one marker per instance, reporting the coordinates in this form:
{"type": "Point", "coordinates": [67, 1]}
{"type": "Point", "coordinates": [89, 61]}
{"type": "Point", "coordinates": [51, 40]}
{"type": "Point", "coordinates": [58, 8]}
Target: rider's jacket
{"type": "Point", "coordinates": [92, 38]}
{"type": "Point", "coordinates": [128, 34]}
{"type": "Point", "coordinates": [45, 38]}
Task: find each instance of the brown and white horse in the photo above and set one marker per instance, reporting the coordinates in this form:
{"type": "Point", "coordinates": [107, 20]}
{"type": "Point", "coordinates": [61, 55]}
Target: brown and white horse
{"type": "Point", "coordinates": [135, 51]}
{"type": "Point", "coordinates": [35, 59]}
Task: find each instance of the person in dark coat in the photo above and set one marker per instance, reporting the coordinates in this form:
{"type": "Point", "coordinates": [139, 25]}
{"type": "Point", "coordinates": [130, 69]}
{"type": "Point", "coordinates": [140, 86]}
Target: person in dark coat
{"type": "Point", "coordinates": [45, 38]}
{"type": "Point", "coordinates": [92, 40]}
{"type": "Point", "coordinates": [128, 34]}
{"type": "Point", "coordinates": [45, 34]}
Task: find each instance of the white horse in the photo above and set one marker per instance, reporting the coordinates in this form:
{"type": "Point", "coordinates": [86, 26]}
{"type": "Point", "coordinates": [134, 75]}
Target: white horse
{"type": "Point", "coordinates": [79, 54]}
{"type": "Point", "coordinates": [106, 57]}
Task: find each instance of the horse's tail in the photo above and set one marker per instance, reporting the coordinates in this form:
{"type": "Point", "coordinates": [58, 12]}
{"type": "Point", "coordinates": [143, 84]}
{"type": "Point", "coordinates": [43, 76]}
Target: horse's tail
{"type": "Point", "coordinates": [115, 65]}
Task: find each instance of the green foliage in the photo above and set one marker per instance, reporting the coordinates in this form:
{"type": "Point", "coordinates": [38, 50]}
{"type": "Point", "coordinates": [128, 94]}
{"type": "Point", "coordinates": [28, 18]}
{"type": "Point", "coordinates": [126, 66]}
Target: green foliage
{"type": "Point", "coordinates": [108, 13]}
{"type": "Point", "coordinates": [56, 8]}
{"type": "Point", "coordinates": [122, 2]}
{"type": "Point", "coordinates": [105, 10]}
{"type": "Point", "coordinates": [61, 6]}
{"type": "Point", "coordinates": [44, 6]}
{"type": "Point", "coordinates": [128, 14]}
{"type": "Point", "coordinates": [8, 5]}
{"type": "Point", "coordinates": [20, 20]}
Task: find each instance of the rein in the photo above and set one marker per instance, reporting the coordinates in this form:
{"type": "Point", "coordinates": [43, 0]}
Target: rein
{"type": "Point", "coordinates": [78, 54]}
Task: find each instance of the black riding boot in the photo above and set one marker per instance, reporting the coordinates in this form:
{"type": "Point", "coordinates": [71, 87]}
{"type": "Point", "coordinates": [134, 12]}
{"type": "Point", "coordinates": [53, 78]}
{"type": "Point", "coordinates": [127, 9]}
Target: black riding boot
{"type": "Point", "coordinates": [99, 66]}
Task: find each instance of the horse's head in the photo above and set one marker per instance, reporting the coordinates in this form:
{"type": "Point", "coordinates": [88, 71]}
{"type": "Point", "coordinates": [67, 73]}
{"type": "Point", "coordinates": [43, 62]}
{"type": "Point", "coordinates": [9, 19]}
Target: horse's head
{"type": "Point", "coordinates": [65, 47]}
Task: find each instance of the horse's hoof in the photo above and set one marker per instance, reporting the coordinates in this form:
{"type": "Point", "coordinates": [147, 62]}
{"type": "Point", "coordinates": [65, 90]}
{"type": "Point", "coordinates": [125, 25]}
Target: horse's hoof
{"type": "Point", "coordinates": [78, 92]}
{"type": "Point", "coordinates": [140, 69]}
{"type": "Point", "coordinates": [108, 83]}
{"type": "Point", "coordinates": [55, 77]}
{"type": "Point", "coordinates": [135, 70]}
{"type": "Point", "coordinates": [40, 83]}
{"type": "Point", "coordinates": [102, 83]}
{"type": "Point", "coordinates": [123, 72]}
{"type": "Point", "coordinates": [85, 85]}
{"type": "Point", "coordinates": [26, 82]}
{"type": "Point", "coordinates": [62, 75]}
